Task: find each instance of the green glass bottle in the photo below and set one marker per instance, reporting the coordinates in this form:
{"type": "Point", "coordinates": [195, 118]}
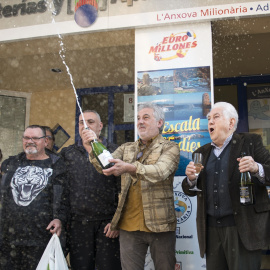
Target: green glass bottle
{"type": "Point", "coordinates": [246, 187]}
{"type": "Point", "coordinates": [102, 154]}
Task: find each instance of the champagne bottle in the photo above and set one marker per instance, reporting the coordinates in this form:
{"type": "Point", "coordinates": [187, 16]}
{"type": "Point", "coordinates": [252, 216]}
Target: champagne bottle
{"type": "Point", "coordinates": [102, 154]}
{"type": "Point", "coordinates": [246, 187]}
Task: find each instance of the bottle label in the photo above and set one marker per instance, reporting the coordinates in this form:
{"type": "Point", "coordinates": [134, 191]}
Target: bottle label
{"type": "Point", "coordinates": [104, 157]}
{"type": "Point", "coordinates": [245, 195]}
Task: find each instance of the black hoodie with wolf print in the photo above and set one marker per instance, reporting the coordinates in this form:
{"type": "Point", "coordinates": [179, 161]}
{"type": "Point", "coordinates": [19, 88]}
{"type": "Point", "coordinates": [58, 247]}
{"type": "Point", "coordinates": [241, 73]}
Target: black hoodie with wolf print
{"type": "Point", "coordinates": [33, 193]}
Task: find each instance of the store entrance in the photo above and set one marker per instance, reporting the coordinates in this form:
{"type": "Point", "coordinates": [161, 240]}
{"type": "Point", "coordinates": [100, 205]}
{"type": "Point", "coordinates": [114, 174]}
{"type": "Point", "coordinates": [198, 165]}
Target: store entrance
{"type": "Point", "coordinates": [251, 97]}
{"type": "Point", "coordinates": [115, 105]}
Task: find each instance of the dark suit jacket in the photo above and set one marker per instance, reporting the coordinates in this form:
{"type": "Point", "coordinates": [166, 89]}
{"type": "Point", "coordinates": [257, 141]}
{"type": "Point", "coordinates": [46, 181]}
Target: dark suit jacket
{"type": "Point", "coordinates": [253, 221]}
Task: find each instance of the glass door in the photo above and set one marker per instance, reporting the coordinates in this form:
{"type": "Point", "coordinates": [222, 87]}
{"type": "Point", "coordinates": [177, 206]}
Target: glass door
{"type": "Point", "coordinates": [115, 106]}
{"type": "Point", "coordinates": [240, 91]}
{"type": "Point", "coordinates": [14, 111]}
{"type": "Point", "coordinates": [258, 102]}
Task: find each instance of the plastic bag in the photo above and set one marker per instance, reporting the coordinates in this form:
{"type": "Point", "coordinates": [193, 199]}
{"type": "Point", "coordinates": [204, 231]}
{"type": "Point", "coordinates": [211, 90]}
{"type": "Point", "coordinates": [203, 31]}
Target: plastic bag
{"type": "Point", "coordinates": [53, 257]}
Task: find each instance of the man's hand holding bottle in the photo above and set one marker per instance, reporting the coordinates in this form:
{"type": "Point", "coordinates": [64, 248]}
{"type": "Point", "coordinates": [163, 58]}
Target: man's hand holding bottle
{"type": "Point", "coordinates": [88, 136]}
{"type": "Point", "coordinates": [110, 166]}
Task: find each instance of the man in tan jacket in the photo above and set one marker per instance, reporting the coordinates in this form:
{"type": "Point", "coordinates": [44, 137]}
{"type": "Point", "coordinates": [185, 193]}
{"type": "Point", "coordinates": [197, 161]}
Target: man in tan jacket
{"type": "Point", "coordinates": [145, 215]}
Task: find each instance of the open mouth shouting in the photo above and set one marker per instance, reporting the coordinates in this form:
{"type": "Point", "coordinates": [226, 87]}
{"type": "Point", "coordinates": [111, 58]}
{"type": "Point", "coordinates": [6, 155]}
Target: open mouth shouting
{"type": "Point", "coordinates": [211, 130]}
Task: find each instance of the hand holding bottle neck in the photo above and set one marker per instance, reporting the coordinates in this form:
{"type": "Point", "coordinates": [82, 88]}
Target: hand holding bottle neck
{"type": "Point", "coordinates": [247, 164]}
{"type": "Point", "coordinates": [88, 136]}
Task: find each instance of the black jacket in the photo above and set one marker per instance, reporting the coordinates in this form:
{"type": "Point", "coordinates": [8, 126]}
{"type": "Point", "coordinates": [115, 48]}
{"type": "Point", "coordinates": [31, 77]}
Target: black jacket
{"type": "Point", "coordinates": [252, 221]}
{"type": "Point", "coordinates": [30, 221]}
{"type": "Point", "coordinates": [93, 196]}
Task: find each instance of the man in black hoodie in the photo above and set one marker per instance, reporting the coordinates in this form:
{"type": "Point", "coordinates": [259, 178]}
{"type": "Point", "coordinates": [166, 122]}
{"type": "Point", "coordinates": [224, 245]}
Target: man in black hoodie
{"type": "Point", "coordinates": [34, 200]}
{"type": "Point", "coordinates": [93, 201]}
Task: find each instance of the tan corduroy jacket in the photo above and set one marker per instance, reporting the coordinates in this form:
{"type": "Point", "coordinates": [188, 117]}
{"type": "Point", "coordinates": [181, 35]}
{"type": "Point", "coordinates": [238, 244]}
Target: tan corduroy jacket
{"type": "Point", "coordinates": [156, 171]}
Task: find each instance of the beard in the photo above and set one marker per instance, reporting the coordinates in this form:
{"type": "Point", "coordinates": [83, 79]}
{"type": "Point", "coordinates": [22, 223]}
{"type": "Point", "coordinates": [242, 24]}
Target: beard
{"type": "Point", "coordinates": [30, 150]}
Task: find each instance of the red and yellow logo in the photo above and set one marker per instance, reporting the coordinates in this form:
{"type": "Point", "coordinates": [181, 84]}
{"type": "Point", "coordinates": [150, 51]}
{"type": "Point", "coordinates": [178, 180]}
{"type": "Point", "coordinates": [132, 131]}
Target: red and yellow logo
{"type": "Point", "coordinates": [174, 46]}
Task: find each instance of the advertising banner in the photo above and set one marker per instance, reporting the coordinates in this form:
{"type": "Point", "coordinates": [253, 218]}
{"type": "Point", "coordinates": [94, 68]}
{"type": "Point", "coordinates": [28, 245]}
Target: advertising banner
{"type": "Point", "coordinates": [258, 107]}
{"type": "Point", "coordinates": [174, 69]}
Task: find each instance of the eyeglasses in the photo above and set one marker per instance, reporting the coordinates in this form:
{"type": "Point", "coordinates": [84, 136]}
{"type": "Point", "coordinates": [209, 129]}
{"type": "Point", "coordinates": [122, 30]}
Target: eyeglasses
{"type": "Point", "coordinates": [139, 155]}
{"type": "Point", "coordinates": [33, 139]}
{"type": "Point", "coordinates": [49, 137]}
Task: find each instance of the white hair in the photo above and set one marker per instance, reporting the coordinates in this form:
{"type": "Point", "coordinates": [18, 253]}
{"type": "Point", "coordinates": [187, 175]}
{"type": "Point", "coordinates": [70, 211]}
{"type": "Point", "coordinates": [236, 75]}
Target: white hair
{"type": "Point", "coordinates": [228, 111]}
{"type": "Point", "coordinates": [157, 112]}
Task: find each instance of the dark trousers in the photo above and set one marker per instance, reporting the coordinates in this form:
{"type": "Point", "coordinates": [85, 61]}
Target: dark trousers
{"type": "Point", "coordinates": [90, 249]}
{"type": "Point", "coordinates": [20, 257]}
{"type": "Point", "coordinates": [225, 251]}
{"type": "Point", "coordinates": [134, 245]}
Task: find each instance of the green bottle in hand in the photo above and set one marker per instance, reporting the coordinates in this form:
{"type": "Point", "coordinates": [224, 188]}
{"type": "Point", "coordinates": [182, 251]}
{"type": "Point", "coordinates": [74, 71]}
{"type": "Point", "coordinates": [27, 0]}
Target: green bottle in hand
{"type": "Point", "coordinates": [246, 187]}
{"type": "Point", "coordinates": [102, 154]}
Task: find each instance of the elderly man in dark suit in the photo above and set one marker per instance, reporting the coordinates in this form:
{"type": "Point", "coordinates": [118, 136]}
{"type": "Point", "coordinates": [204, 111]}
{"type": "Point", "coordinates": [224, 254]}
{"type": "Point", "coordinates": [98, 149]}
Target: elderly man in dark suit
{"type": "Point", "coordinates": [229, 233]}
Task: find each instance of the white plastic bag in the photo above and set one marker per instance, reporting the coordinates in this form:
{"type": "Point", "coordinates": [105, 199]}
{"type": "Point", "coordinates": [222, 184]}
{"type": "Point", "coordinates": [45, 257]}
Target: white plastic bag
{"type": "Point", "coordinates": [53, 257]}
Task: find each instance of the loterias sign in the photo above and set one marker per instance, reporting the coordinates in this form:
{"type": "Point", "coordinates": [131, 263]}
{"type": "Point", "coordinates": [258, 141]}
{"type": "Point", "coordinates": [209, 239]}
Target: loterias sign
{"type": "Point", "coordinates": [33, 7]}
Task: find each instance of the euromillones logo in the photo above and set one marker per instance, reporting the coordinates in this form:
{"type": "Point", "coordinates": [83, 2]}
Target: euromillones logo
{"type": "Point", "coordinates": [174, 46]}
